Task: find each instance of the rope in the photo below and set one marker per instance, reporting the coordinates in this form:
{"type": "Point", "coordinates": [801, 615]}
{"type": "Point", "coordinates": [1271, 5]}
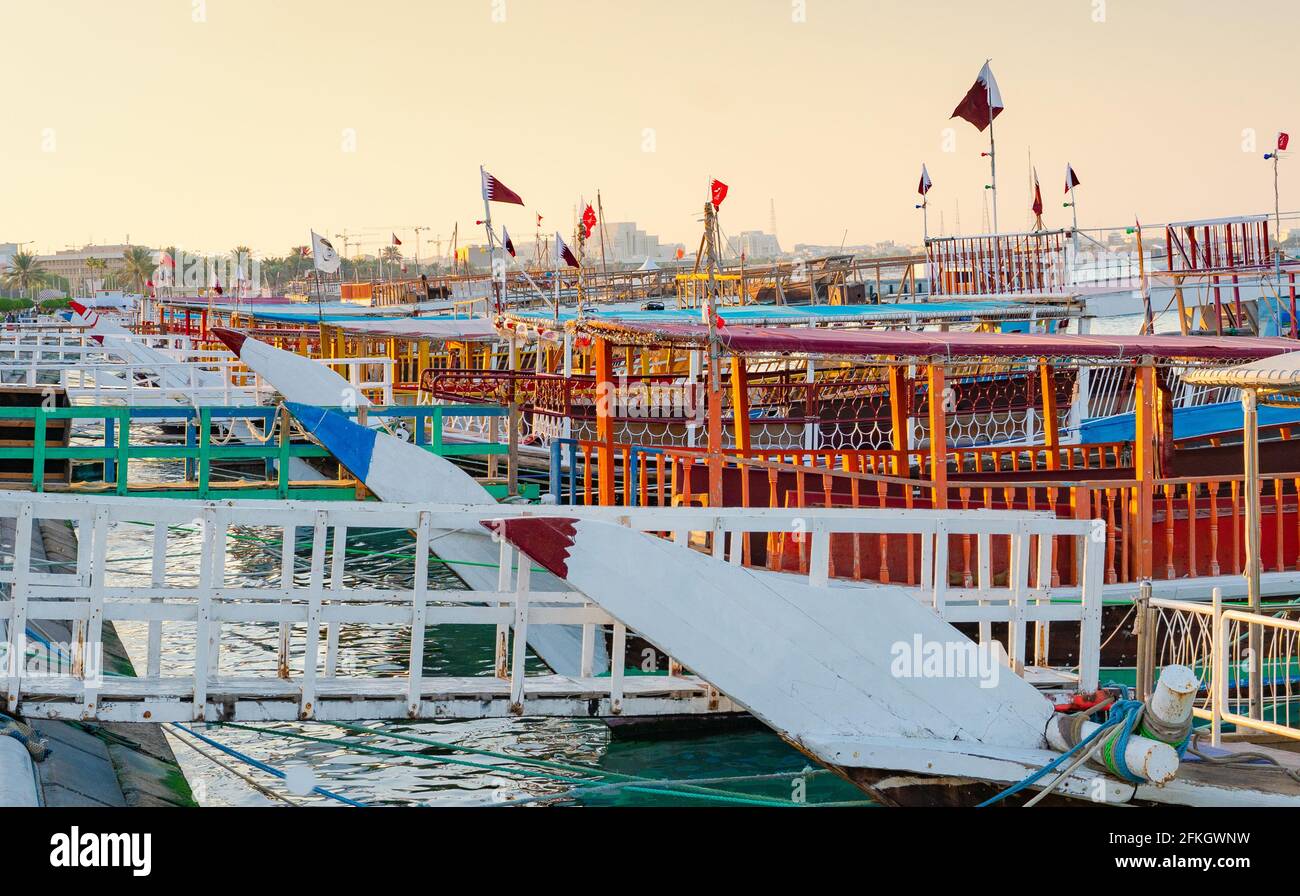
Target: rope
{"type": "Point", "coordinates": [1047, 769]}
{"type": "Point", "coordinates": [25, 735]}
{"type": "Point", "coordinates": [247, 779]}
{"type": "Point", "coordinates": [626, 780]}
{"type": "Point", "coordinates": [1245, 760]}
{"type": "Point", "coordinates": [262, 766]}
{"type": "Point", "coordinates": [629, 782]}
{"type": "Point", "coordinates": [1121, 715]}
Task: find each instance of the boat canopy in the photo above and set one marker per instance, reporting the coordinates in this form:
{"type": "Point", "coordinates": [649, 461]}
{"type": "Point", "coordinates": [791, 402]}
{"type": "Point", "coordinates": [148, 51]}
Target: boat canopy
{"type": "Point", "coordinates": [1276, 373]}
{"type": "Point", "coordinates": [438, 328]}
{"type": "Point", "coordinates": [842, 343]}
{"type": "Point", "coordinates": [811, 315]}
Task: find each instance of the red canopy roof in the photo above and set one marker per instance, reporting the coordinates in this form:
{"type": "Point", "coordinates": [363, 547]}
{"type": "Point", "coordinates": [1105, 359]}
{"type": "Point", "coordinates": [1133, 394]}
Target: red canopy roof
{"type": "Point", "coordinates": [842, 343]}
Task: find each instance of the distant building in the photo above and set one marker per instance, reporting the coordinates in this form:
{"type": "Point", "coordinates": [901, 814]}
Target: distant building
{"type": "Point", "coordinates": [7, 251]}
{"type": "Point", "coordinates": [755, 244]}
{"type": "Point", "coordinates": [476, 257]}
{"type": "Point", "coordinates": [70, 264]}
{"type": "Point", "coordinates": [625, 243]}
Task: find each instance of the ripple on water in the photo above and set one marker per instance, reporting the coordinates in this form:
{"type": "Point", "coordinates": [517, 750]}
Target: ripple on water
{"type": "Point", "coordinates": [426, 776]}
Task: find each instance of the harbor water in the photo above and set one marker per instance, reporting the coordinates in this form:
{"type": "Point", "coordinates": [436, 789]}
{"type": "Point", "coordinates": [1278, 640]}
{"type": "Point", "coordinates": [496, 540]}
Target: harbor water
{"type": "Point", "coordinates": [749, 764]}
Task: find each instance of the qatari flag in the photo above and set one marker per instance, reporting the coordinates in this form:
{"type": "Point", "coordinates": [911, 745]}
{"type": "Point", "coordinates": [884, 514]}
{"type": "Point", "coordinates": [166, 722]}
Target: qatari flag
{"type": "Point", "coordinates": [495, 191]}
{"type": "Point", "coordinates": [983, 102]}
{"type": "Point", "coordinates": [505, 241]}
{"type": "Point", "coordinates": [1071, 179]}
{"type": "Point", "coordinates": [1038, 198]}
{"type": "Point", "coordinates": [926, 183]}
{"type": "Point", "coordinates": [563, 253]}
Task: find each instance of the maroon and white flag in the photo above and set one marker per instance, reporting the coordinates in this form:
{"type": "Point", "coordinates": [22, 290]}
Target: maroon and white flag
{"type": "Point", "coordinates": [983, 102]}
{"type": "Point", "coordinates": [1071, 179]}
{"type": "Point", "coordinates": [1283, 138]}
{"type": "Point", "coordinates": [495, 191]}
{"type": "Point", "coordinates": [926, 183]}
{"type": "Point", "coordinates": [563, 253]}
{"type": "Point", "coordinates": [505, 241]}
{"type": "Point", "coordinates": [1038, 199]}
{"type": "Point", "coordinates": [396, 241]}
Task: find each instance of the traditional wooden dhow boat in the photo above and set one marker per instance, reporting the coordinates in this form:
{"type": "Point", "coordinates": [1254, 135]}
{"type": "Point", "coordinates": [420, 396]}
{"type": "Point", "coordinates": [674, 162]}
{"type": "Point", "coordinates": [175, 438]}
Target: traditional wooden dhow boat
{"type": "Point", "coordinates": [832, 671]}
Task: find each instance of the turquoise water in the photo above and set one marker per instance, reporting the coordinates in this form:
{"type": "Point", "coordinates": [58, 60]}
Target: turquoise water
{"type": "Point", "coordinates": [745, 764]}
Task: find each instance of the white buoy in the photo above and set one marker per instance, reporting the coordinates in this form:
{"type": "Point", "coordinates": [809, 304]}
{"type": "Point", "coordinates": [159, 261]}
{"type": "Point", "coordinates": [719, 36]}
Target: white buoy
{"type": "Point", "coordinates": [1153, 760]}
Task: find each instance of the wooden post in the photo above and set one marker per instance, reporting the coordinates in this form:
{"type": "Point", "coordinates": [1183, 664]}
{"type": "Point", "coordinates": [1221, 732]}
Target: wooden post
{"type": "Point", "coordinates": [1051, 424]}
{"type": "Point", "coordinates": [938, 432]}
{"type": "Point", "coordinates": [714, 387]}
{"type": "Point", "coordinates": [603, 355]}
{"type": "Point", "coordinates": [740, 403]}
{"type": "Point", "coordinates": [512, 458]}
{"type": "Point", "coordinates": [1182, 305]}
{"type": "Point", "coordinates": [1145, 448]}
{"type": "Point", "coordinates": [900, 393]}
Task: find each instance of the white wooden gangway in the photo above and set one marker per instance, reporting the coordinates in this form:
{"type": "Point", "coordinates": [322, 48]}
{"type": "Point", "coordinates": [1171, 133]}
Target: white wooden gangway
{"type": "Point", "coordinates": [109, 375]}
{"type": "Point", "coordinates": [203, 603]}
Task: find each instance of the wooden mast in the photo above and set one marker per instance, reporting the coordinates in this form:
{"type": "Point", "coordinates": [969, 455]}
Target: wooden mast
{"type": "Point", "coordinates": [714, 373]}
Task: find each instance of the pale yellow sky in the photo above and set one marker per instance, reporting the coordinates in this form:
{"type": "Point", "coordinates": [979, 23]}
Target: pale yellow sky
{"type": "Point", "coordinates": [131, 117]}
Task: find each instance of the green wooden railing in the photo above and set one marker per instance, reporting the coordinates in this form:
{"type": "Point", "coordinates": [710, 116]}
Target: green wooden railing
{"type": "Point", "coordinates": [111, 459]}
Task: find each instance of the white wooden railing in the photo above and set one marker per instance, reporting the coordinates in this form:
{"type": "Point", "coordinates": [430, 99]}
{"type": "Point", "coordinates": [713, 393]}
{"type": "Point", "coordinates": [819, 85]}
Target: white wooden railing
{"type": "Point", "coordinates": [308, 680]}
{"type": "Point", "coordinates": [1214, 641]}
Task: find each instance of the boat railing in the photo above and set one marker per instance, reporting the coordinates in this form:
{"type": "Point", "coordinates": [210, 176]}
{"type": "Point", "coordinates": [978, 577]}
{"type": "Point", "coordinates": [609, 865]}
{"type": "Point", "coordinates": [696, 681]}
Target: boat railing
{"type": "Point", "coordinates": [1184, 528]}
{"type": "Point", "coordinates": [1248, 662]}
{"type": "Point", "coordinates": [194, 592]}
{"type": "Point", "coordinates": [839, 410]}
{"type": "Point", "coordinates": [218, 454]}
{"type": "Point", "coordinates": [137, 383]}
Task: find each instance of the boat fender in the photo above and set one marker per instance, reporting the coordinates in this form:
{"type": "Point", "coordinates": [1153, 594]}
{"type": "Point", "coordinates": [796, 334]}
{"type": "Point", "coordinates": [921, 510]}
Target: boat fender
{"type": "Point", "coordinates": [1127, 755]}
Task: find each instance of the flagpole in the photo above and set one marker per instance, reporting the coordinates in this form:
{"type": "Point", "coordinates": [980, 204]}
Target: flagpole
{"type": "Point", "coordinates": [1074, 210]}
{"type": "Point", "coordinates": [492, 243]}
{"type": "Point", "coordinates": [993, 171]}
{"type": "Point", "coordinates": [1277, 219]}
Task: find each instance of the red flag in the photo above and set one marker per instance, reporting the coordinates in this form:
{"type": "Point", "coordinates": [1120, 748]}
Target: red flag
{"type": "Point", "coordinates": [588, 221]}
{"type": "Point", "coordinates": [505, 241]}
{"type": "Point", "coordinates": [681, 253]}
{"type": "Point", "coordinates": [1283, 138]}
{"type": "Point", "coordinates": [1038, 198]}
{"type": "Point", "coordinates": [1071, 179]}
{"type": "Point", "coordinates": [539, 220]}
{"type": "Point", "coordinates": [217, 286]}
{"type": "Point", "coordinates": [983, 102]}
{"type": "Point", "coordinates": [562, 253]}
{"type": "Point", "coordinates": [926, 183]}
{"type": "Point", "coordinates": [396, 241]}
{"type": "Point", "coordinates": [717, 192]}
{"type": "Point", "coordinates": [495, 191]}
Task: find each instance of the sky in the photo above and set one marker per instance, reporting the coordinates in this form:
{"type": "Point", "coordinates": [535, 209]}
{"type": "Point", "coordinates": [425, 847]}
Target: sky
{"type": "Point", "coordinates": [208, 124]}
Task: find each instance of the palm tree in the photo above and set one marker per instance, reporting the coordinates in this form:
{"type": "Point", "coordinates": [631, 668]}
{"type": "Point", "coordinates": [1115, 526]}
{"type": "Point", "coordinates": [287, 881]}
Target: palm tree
{"type": "Point", "coordinates": [25, 273]}
{"type": "Point", "coordinates": [97, 267]}
{"type": "Point", "coordinates": [137, 267]}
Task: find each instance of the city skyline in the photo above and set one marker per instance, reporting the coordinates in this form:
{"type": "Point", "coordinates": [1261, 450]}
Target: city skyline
{"type": "Point", "coordinates": [212, 123]}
